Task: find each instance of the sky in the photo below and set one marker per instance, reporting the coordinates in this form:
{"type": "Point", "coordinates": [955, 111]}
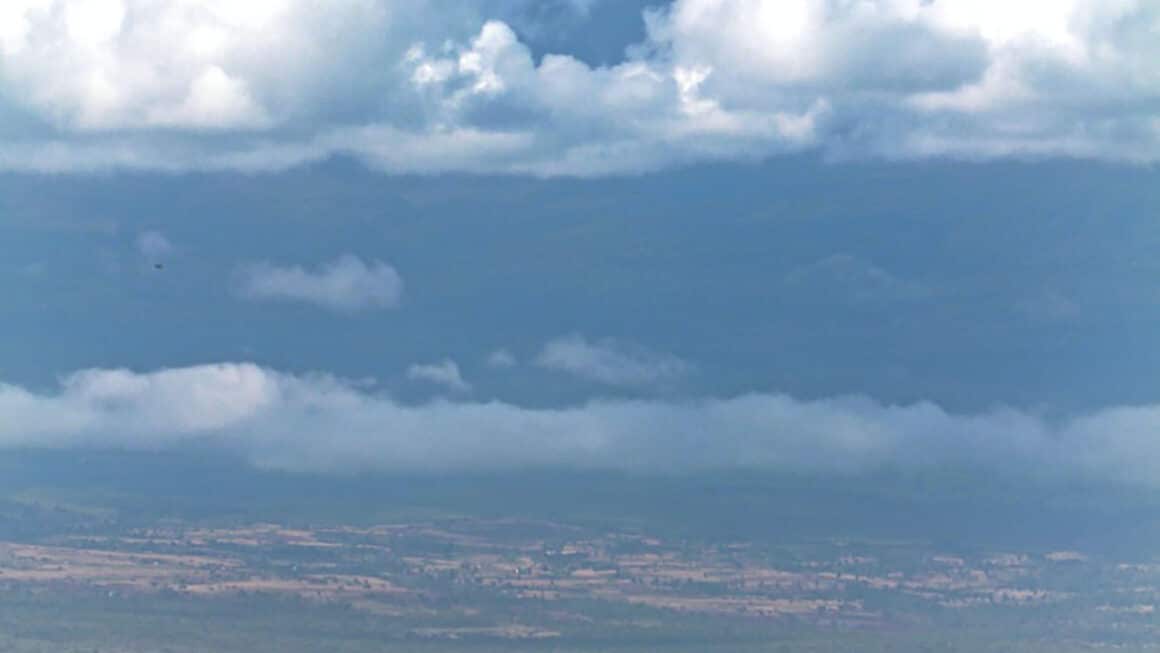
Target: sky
{"type": "Point", "coordinates": [807, 235]}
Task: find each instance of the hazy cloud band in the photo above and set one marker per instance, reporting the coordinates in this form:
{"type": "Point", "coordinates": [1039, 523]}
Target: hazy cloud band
{"type": "Point", "coordinates": [321, 423]}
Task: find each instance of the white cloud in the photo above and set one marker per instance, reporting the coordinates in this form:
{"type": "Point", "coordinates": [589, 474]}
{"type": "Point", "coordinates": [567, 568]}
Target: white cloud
{"type": "Point", "coordinates": [430, 85]}
{"type": "Point", "coordinates": [154, 246]}
{"type": "Point", "coordinates": [445, 373]}
{"type": "Point", "coordinates": [347, 284]}
{"type": "Point", "coordinates": [322, 423]}
{"type": "Point", "coordinates": [501, 358]}
{"type": "Point", "coordinates": [99, 65]}
{"type": "Point", "coordinates": [611, 362]}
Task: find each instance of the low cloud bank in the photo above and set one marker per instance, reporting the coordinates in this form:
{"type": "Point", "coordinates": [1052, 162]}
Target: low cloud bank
{"type": "Point", "coordinates": [320, 423]}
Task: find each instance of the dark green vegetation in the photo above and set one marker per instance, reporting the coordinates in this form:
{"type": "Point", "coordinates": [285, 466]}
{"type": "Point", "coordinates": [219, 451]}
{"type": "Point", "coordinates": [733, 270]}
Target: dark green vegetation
{"type": "Point", "coordinates": [106, 551]}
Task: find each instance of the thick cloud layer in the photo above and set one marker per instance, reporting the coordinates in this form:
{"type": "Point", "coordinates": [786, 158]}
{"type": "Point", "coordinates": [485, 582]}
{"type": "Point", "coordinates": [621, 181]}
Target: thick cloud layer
{"type": "Point", "coordinates": [431, 85]}
{"type": "Point", "coordinates": [320, 423]}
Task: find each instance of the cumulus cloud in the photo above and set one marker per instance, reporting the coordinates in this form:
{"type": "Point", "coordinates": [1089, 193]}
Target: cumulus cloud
{"type": "Point", "coordinates": [501, 358]}
{"type": "Point", "coordinates": [611, 362]}
{"type": "Point", "coordinates": [445, 373]}
{"type": "Point", "coordinates": [347, 284]}
{"type": "Point", "coordinates": [325, 424]}
{"type": "Point", "coordinates": [432, 85]}
{"type": "Point", "coordinates": [100, 65]}
{"type": "Point", "coordinates": [154, 246]}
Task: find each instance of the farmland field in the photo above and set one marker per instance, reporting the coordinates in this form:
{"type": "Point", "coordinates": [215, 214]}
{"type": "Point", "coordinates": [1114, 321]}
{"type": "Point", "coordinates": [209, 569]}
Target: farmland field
{"type": "Point", "coordinates": [103, 568]}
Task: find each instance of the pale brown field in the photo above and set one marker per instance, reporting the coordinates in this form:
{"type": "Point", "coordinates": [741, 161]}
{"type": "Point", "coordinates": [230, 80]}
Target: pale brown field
{"type": "Point", "coordinates": [398, 570]}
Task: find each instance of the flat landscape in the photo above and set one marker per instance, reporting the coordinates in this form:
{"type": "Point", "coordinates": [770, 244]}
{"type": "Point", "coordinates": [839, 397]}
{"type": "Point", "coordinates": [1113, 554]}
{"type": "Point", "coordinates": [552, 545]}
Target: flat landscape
{"type": "Point", "coordinates": [475, 583]}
